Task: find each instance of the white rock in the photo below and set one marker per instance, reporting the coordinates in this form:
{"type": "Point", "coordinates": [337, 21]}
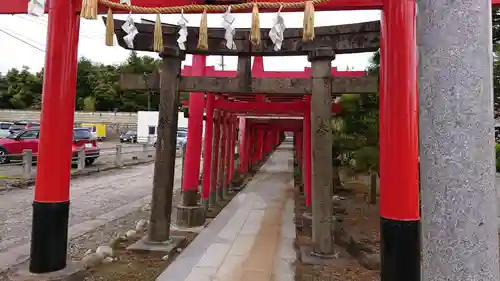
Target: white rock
{"type": "Point", "coordinates": [88, 252]}
{"type": "Point", "coordinates": [108, 260]}
{"type": "Point", "coordinates": [104, 251]}
{"type": "Point", "coordinates": [337, 198]}
{"type": "Point", "coordinates": [91, 260]}
{"type": "Point", "coordinates": [131, 233]}
{"type": "Point", "coordinates": [165, 257]}
{"type": "Point", "coordinates": [179, 250]}
{"type": "Point", "coordinates": [141, 225]}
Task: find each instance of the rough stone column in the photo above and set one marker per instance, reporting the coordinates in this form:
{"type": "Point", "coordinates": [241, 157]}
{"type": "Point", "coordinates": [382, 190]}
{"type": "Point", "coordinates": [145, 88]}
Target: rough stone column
{"type": "Point", "coordinates": [457, 155]}
{"type": "Point", "coordinates": [163, 180]}
{"type": "Point", "coordinates": [321, 135]}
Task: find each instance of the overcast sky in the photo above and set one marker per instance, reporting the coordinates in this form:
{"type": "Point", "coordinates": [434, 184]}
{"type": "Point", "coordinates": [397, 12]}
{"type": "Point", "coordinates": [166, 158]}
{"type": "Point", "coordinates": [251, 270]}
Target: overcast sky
{"type": "Point", "coordinates": [33, 30]}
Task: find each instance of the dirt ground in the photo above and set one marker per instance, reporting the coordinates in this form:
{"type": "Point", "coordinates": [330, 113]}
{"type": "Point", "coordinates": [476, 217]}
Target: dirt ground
{"type": "Point", "coordinates": [133, 266]}
{"type": "Point", "coordinates": [361, 221]}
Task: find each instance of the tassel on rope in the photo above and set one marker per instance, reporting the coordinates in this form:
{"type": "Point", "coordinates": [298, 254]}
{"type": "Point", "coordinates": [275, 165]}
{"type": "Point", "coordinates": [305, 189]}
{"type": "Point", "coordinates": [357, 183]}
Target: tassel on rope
{"type": "Point", "coordinates": [203, 33]}
{"type": "Point", "coordinates": [255, 30]}
{"type": "Point", "coordinates": [158, 35]}
{"type": "Point", "coordinates": [308, 31]}
{"type": "Point", "coordinates": [89, 9]}
{"type": "Point", "coordinates": [110, 28]}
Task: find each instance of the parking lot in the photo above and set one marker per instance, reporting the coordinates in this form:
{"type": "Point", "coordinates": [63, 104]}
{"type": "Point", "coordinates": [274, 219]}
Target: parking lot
{"type": "Point", "coordinates": [108, 154]}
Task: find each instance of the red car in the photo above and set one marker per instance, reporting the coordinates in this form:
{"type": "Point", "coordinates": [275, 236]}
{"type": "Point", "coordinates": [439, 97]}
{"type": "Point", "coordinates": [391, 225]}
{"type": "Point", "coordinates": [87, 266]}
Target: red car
{"type": "Point", "coordinates": [28, 139]}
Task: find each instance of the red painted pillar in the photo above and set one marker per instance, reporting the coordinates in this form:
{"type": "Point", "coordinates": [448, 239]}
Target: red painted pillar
{"type": "Point", "coordinates": [252, 147]}
{"type": "Point", "coordinates": [399, 182]}
{"type": "Point", "coordinates": [195, 131]}
{"type": "Point", "coordinates": [248, 148]}
{"type": "Point", "coordinates": [261, 145]}
{"type": "Point", "coordinates": [215, 160]}
{"type": "Point", "coordinates": [207, 149]}
{"type": "Point", "coordinates": [307, 150]}
{"type": "Point", "coordinates": [230, 150]}
{"type": "Point", "coordinates": [299, 146]}
{"type": "Point", "coordinates": [49, 234]}
{"type": "Point", "coordinates": [233, 145]}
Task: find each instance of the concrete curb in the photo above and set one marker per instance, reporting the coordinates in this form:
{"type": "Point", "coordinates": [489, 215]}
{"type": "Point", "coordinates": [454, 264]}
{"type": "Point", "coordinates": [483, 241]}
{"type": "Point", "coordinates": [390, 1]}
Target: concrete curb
{"type": "Point", "coordinates": [76, 174]}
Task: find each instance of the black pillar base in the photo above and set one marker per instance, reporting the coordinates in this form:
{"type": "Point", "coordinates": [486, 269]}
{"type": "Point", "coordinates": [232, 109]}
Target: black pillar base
{"type": "Point", "coordinates": [49, 237]}
{"type": "Point", "coordinates": [400, 250]}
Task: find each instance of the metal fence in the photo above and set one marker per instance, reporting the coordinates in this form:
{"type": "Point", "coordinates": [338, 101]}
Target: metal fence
{"type": "Point", "coordinates": [23, 166]}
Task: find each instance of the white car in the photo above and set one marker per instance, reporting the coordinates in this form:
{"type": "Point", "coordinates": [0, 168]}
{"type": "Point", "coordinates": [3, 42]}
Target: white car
{"type": "Point", "coordinates": [4, 129]}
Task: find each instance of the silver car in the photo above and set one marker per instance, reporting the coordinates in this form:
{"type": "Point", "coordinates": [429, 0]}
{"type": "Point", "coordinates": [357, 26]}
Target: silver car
{"type": "Point", "coordinates": [4, 129]}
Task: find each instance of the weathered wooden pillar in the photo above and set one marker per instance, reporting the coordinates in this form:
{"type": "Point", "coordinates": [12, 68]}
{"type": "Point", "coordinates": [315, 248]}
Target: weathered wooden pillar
{"type": "Point", "coordinates": [457, 145]}
{"type": "Point", "coordinates": [307, 151]}
{"type": "Point", "coordinates": [163, 179]}
{"type": "Point", "coordinates": [321, 111]}
{"type": "Point", "coordinates": [215, 158]}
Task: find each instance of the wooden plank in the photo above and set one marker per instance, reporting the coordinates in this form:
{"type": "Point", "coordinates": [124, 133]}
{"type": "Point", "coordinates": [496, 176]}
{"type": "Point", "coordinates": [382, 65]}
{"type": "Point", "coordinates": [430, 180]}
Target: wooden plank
{"type": "Point", "coordinates": [345, 39]}
{"type": "Point", "coordinates": [268, 86]}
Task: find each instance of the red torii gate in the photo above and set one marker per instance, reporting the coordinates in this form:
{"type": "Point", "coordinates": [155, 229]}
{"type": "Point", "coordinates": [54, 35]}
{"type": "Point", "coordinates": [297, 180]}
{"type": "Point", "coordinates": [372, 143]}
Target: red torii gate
{"type": "Point", "coordinates": [294, 107]}
{"type": "Point", "coordinates": [398, 109]}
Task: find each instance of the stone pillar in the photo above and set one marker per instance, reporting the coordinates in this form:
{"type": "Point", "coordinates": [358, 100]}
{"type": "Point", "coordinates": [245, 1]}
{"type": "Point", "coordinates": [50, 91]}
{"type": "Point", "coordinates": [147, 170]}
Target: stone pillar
{"type": "Point", "coordinates": [457, 154]}
{"type": "Point", "coordinates": [321, 99]}
{"type": "Point", "coordinates": [307, 151]}
{"type": "Point", "coordinates": [164, 169]}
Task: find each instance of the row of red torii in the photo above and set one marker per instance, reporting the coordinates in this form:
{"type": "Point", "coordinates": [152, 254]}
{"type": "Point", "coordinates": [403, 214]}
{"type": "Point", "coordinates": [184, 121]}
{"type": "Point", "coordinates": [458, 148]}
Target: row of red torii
{"type": "Point", "coordinates": [455, 60]}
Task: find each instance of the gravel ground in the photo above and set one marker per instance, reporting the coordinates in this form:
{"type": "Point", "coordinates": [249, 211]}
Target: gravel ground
{"type": "Point", "coordinates": [346, 268]}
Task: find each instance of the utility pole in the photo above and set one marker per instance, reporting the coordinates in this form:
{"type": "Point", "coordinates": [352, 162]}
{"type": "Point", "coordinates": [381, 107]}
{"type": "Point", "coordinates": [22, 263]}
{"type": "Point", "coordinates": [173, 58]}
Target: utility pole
{"type": "Point", "coordinates": [222, 64]}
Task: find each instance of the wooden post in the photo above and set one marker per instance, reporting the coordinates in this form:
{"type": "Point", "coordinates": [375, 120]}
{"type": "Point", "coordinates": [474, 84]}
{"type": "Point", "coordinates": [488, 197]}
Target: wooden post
{"type": "Point", "coordinates": [323, 220]}
{"type": "Point", "coordinates": [163, 180]}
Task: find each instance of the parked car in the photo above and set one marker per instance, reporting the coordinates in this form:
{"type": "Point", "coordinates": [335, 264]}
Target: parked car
{"type": "Point", "coordinates": [22, 125]}
{"type": "Point", "coordinates": [181, 139]}
{"type": "Point", "coordinates": [15, 144]}
{"type": "Point", "coordinates": [97, 130]}
{"type": "Point", "coordinates": [4, 129]}
{"type": "Point", "coordinates": [130, 136]}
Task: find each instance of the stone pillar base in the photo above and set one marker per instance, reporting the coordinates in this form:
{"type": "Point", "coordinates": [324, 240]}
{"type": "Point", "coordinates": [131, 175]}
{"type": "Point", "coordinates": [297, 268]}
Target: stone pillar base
{"type": "Point", "coordinates": [213, 198]}
{"type": "Point", "coordinates": [72, 272]}
{"type": "Point", "coordinates": [220, 195]}
{"type": "Point", "coordinates": [190, 216]}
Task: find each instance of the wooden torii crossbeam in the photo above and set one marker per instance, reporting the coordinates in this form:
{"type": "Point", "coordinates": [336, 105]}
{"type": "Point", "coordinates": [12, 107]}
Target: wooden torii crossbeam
{"type": "Point", "coordinates": [344, 39]}
{"type": "Point", "coordinates": [242, 86]}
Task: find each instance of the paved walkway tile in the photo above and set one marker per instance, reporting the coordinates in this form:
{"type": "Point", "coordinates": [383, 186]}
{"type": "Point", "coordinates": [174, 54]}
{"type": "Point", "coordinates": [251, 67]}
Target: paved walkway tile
{"type": "Point", "coordinates": [252, 237]}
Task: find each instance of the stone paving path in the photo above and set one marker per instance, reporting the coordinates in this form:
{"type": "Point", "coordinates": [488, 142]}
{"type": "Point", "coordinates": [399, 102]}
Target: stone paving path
{"type": "Point", "coordinates": [252, 238]}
